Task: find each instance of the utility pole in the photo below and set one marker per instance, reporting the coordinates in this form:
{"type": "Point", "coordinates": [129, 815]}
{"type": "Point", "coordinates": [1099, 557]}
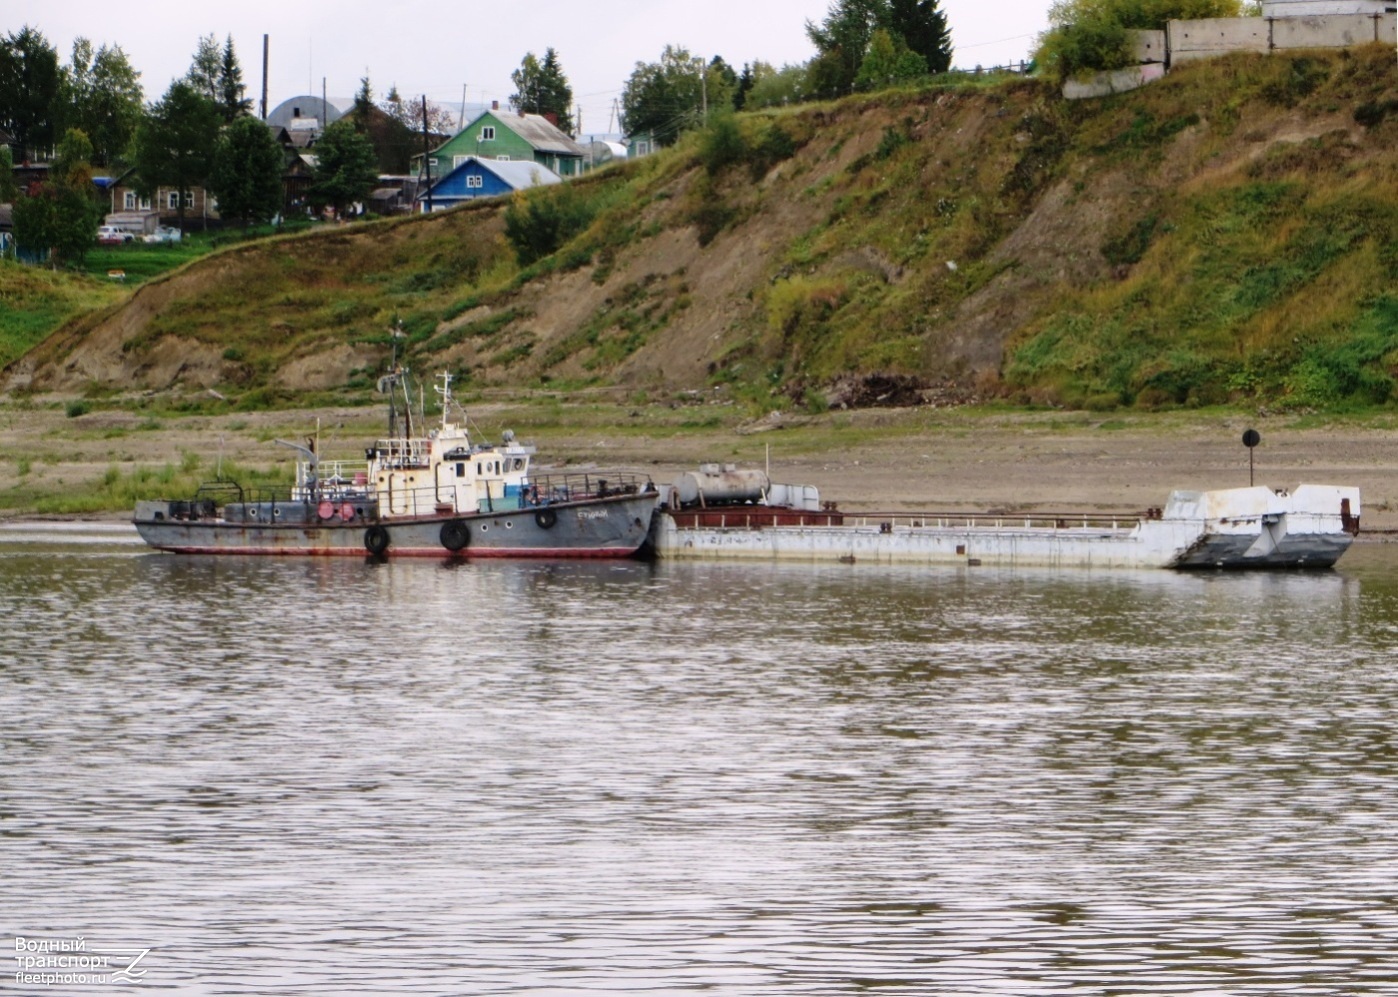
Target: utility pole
{"type": "Point", "coordinates": [426, 159]}
{"type": "Point", "coordinates": [264, 77]}
{"type": "Point", "coordinates": [704, 89]}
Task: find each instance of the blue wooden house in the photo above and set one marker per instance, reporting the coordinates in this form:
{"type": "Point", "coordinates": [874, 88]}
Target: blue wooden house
{"type": "Point", "coordinates": [473, 178]}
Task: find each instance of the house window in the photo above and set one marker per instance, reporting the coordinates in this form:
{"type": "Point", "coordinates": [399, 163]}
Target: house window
{"type": "Point", "coordinates": [643, 148]}
{"type": "Point", "coordinates": [487, 133]}
{"type": "Point", "coordinates": [474, 181]}
{"type": "Point", "coordinates": [189, 199]}
{"type": "Point", "coordinates": [502, 159]}
{"type": "Point", "coordinates": [145, 204]}
{"type": "Point", "coordinates": [433, 161]}
{"type": "Point", "coordinates": [458, 160]}
{"type": "Point", "coordinates": [172, 200]}
{"type": "Point", "coordinates": [130, 200]}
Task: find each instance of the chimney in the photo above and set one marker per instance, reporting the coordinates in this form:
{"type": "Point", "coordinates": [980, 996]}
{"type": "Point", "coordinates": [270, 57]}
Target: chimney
{"type": "Point", "coordinates": [495, 105]}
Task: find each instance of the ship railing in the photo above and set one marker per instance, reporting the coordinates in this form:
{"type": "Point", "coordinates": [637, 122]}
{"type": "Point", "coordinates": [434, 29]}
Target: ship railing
{"type": "Point", "coordinates": [209, 499]}
{"type": "Point", "coordinates": [498, 495]}
{"type": "Point", "coordinates": [550, 489]}
{"type": "Point", "coordinates": [888, 521]}
{"type": "Point", "coordinates": [410, 452]}
{"type": "Point", "coordinates": [332, 479]}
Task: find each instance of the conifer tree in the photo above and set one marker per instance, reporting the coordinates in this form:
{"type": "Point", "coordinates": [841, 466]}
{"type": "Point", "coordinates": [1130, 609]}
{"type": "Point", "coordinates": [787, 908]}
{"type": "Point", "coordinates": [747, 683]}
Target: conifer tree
{"type": "Point", "coordinates": [542, 88]}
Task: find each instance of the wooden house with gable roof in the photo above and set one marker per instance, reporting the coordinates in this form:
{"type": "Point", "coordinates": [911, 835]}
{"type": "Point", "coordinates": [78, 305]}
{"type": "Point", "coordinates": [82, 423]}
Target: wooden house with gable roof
{"type": "Point", "coordinates": [512, 136]}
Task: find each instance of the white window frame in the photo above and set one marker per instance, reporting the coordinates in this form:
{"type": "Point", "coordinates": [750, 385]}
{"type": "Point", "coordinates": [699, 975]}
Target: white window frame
{"type": "Point", "coordinates": [129, 201]}
{"type": "Point", "coordinates": [502, 159]}
{"type": "Point", "coordinates": [145, 204]}
{"type": "Point", "coordinates": [487, 133]}
{"type": "Point", "coordinates": [458, 160]}
{"type": "Point", "coordinates": [172, 200]}
{"type": "Point", "coordinates": [474, 180]}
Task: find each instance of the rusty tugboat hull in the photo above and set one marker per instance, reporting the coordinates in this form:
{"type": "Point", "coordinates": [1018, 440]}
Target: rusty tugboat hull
{"type": "Point", "coordinates": [608, 526]}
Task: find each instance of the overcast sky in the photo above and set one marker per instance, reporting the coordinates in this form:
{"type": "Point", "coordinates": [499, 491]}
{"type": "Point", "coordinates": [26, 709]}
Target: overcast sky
{"type": "Point", "coordinates": [444, 49]}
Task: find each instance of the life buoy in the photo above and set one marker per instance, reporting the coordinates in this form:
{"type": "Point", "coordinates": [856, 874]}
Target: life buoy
{"type": "Point", "coordinates": [545, 518]}
{"type": "Point", "coordinates": [326, 509]}
{"type": "Point", "coordinates": [376, 540]}
{"type": "Point", "coordinates": [455, 535]}
{"type": "Point", "coordinates": [346, 512]}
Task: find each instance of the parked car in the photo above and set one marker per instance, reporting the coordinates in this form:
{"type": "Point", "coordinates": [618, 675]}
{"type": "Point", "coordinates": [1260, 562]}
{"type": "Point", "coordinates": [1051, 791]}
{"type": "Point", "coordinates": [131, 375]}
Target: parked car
{"type": "Point", "coordinates": [110, 235]}
{"type": "Point", "coordinates": [164, 234]}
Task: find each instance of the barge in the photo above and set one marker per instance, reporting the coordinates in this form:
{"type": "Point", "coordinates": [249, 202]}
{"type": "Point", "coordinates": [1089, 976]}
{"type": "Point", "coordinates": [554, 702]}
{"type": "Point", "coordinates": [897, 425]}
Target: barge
{"type": "Point", "coordinates": [724, 513]}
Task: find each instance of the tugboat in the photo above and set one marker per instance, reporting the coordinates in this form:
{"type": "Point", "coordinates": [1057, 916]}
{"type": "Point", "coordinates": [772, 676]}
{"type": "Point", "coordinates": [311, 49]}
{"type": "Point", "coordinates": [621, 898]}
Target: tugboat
{"type": "Point", "coordinates": [439, 495]}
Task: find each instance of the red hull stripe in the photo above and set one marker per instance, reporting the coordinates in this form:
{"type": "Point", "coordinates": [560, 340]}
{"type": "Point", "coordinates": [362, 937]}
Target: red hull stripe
{"type": "Point", "coordinates": [468, 554]}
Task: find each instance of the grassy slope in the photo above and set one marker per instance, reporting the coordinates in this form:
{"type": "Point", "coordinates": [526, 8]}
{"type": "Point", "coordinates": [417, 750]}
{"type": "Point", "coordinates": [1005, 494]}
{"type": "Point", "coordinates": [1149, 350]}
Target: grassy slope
{"type": "Point", "coordinates": [1269, 276]}
{"type": "Point", "coordinates": [1226, 234]}
{"type": "Point", "coordinates": [34, 301]}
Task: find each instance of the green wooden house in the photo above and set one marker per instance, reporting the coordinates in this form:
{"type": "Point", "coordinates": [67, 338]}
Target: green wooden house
{"type": "Point", "coordinates": [508, 135]}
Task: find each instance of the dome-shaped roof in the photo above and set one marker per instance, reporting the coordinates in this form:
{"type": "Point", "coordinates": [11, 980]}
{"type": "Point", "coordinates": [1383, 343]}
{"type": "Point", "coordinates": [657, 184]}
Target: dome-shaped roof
{"type": "Point", "coordinates": [293, 108]}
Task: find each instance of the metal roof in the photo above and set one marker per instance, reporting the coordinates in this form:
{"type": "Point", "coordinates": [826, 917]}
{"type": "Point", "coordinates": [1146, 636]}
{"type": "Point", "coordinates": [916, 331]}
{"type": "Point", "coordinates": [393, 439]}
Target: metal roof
{"type": "Point", "coordinates": [538, 131]}
{"type": "Point", "coordinates": [520, 173]}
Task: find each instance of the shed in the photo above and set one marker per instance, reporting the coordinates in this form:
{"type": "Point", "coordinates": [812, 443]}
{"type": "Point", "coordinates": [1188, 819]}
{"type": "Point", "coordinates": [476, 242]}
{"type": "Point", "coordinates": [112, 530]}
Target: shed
{"type": "Point", "coordinates": [601, 151]}
{"type": "Point", "coordinates": [474, 178]}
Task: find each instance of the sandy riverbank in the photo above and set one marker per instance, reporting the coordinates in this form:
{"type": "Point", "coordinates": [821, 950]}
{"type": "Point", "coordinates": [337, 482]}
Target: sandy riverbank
{"type": "Point", "coordinates": [893, 460]}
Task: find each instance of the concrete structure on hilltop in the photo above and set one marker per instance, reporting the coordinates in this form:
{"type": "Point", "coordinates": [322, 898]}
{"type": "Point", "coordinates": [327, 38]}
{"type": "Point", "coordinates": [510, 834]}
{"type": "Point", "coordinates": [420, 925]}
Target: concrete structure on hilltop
{"type": "Point", "coordinates": [1318, 8]}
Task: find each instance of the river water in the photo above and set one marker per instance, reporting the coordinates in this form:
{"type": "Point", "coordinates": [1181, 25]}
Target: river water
{"type": "Point", "coordinates": [289, 776]}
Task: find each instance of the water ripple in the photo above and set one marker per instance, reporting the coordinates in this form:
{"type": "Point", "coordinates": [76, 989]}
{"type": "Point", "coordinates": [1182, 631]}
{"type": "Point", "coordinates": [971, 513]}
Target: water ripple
{"type": "Point", "coordinates": [290, 777]}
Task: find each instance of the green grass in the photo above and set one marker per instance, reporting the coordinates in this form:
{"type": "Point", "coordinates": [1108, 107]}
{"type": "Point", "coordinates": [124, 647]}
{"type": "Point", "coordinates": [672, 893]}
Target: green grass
{"type": "Point", "coordinates": [34, 302]}
{"type": "Point", "coordinates": [119, 490]}
{"type": "Point", "coordinates": [140, 262]}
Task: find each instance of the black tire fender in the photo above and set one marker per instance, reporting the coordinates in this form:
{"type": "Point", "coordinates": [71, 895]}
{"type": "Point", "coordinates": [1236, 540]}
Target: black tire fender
{"type": "Point", "coordinates": [546, 518]}
{"type": "Point", "coordinates": [376, 540]}
{"type": "Point", "coordinates": [455, 535]}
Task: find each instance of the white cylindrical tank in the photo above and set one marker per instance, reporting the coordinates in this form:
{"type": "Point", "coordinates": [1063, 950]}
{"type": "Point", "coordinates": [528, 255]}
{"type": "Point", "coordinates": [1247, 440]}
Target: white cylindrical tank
{"type": "Point", "coordinates": [715, 484]}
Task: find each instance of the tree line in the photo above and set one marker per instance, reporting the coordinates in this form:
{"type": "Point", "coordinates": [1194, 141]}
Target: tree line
{"type": "Point", "coordinates": [88, 114]}
{"type": "Point", "coordinates": [861, 45]}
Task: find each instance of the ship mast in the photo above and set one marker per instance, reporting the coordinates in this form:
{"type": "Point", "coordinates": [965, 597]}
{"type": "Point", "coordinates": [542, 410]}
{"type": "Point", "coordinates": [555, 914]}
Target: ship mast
{"type": "Point", "coordinates": [445, 392]}
{"type": "Point", "coordinates": [395, 377]}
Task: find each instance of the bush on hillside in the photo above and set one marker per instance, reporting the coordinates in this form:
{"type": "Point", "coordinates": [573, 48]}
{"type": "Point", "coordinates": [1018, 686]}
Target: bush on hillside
{"type": "Point", "coordinates": [539, 222]}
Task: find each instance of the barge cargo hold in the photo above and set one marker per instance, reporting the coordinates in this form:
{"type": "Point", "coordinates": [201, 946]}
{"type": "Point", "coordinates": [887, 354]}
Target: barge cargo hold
{"type": "Point", "coordinates": [1256, 527]}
